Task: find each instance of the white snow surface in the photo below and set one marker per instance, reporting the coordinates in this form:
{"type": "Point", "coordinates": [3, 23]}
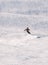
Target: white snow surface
{"type": "Point", "coordinates": [16, 46]}
{"type": "Point", "coordinates": [20, 48]}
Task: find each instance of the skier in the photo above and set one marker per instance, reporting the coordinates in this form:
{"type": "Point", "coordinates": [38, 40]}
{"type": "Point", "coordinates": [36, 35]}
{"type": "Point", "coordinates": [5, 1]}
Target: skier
{"type": "Point", "coordinates": [27, 30]}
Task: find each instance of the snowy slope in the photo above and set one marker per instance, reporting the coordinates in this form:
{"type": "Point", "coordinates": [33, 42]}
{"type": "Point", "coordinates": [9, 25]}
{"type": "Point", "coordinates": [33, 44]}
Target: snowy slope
{"type": "Point", "coordinates": [19, 48]}
{"type": "Point", "coordinates": [16, 46]}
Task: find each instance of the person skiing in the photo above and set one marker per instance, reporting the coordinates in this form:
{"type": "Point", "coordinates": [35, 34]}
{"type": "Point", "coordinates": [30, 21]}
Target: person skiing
{"type": "Point", "coordinates": [27, 30]}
